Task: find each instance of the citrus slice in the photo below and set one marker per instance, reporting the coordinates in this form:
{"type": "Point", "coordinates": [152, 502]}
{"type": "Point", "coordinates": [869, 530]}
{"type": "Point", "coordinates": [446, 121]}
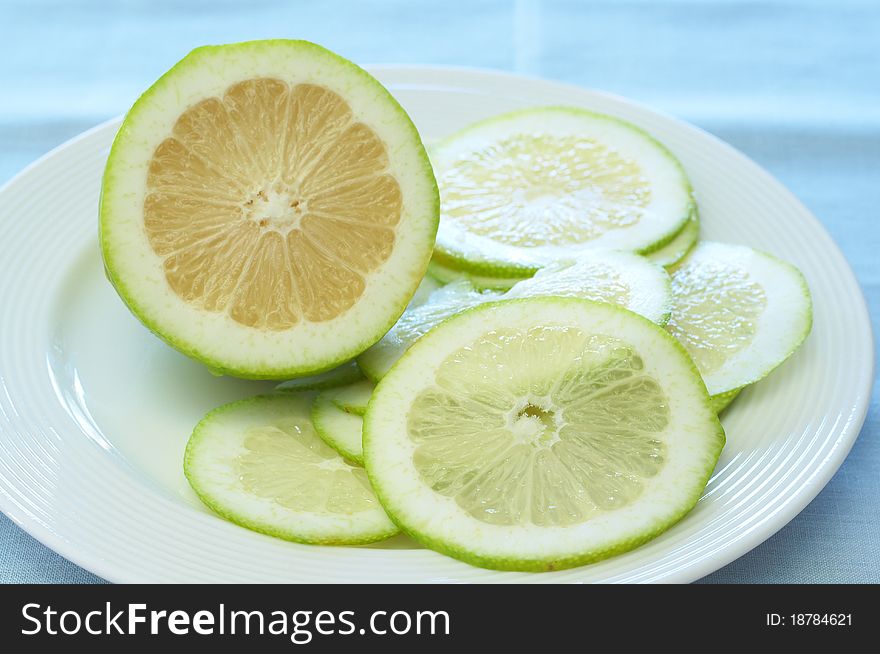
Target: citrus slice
{"type": "Point", "coordinates": [353, 398]}
{"type": "Point", "coordinates": [268, 209]}
{"type": "Point", "coordinates": [678, 248]}
{"type": "Point", "coordinates": [526, 188]}
{"type": "Point", "coordinates": [481, 282]}
{"type": "Point", "coordinates": [347, 373]}
{"type": "Point", "coordinates": [621, 278]}
{"type": "Point", "coordinates": [541, 434]}
{"type": "Point", "coordinates": [259, 464]}
{"type": "Point", "coordinates": [441, 304]}
{"type": "Point", "coordinates": [738, 312]}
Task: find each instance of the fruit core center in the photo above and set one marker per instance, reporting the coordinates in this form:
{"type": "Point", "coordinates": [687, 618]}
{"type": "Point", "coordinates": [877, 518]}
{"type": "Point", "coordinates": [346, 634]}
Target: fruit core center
{"type": "Point", "coordinates": [535, 422]}
{"type": "Point", "coordinates": [276, 208]}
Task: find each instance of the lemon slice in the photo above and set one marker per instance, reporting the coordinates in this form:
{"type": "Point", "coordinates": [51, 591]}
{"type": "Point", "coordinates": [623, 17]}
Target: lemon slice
{"type": "Point", "coordinates": [521, 190]}
{"type": "Point", "coordinates": [541, 434]}
{"type": "Point", "coordinates": [739, 313]}
{"type": "Point", "coordinates": [268, 209]}
{"type": "Point", "coordinates": [678, 248]}
{"type": "Point", "coordinates": [259, 464]}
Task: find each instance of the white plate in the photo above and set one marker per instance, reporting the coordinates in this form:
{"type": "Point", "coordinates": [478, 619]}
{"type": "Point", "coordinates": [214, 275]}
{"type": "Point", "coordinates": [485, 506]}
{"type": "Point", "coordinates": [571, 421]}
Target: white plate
{"type": "Point", "coordinates": [95, 411]}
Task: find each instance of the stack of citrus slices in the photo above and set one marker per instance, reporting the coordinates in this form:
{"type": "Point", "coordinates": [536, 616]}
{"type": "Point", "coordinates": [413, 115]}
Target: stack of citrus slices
{"type": "Point", "coordinates": [532, 386]}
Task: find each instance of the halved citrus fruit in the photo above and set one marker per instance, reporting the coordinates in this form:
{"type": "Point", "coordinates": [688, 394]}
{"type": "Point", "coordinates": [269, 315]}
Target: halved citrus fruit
{"type": "Point", "coordinates": [268, 209]}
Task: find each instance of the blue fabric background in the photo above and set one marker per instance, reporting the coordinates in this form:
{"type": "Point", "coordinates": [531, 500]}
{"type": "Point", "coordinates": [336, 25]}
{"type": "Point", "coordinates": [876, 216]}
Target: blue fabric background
{"type": "Point", "coordinates": [795, 85]}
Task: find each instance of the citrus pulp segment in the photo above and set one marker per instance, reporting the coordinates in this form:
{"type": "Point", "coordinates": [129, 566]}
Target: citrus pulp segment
{"type": "Point", "coordinates": [259, 464]}
{"type": "Point", "coordinates": [738, 312]}
{"type": "Point", "coordinates": [532, 186]}
{"type": "Point", "coordinates": [540, 434]}
{"type": "Point", "coordinates": [268, 209]}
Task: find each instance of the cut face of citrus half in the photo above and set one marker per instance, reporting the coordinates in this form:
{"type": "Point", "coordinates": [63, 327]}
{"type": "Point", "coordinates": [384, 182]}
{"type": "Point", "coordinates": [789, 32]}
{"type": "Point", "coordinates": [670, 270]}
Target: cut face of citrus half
{"type": "Point", "coordinates": [259, 463]}
{"type": "Point", "coordinates": [540, 434]}
{"type": "Point", "coordinates": [678, 248]}
{"type": "Point", "coordinates": [526, 188]}
{"type": "Point", "coordinates": [268, 209]}
{"type": "Point", "coordinates": [738, 312]}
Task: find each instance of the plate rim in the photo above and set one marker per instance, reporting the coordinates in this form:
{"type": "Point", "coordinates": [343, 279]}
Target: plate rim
{"type": "Point", "coordinates": [806, 490]}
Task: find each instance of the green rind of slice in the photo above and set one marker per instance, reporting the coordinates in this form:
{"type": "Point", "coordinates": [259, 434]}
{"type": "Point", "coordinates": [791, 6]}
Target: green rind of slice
{"type": "Point", "coordinates": [259, 464]}
{"type": "Point", "coordinates": [739, 312]}
{"type": "Point", "coordinates": [341, 430]}
{"type": "Point", "coordinates": [347, 373]}
{"type": "Point", "coordinates": [482, 282]}
{"type": "Point", "coordinates": [722, 401]}
{"type": "Point", "coordinates": [541, 434]}
{"type": "Point", "coordinates": [472, 242]}
{"type": "Point", "coordinates": [353, 398]}
{"type": "Point", "coordinates": [679, 247]}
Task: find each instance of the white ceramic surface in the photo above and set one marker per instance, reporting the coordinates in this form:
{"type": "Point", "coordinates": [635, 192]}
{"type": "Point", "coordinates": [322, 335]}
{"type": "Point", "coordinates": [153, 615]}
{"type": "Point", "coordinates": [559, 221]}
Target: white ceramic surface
{"type": "Point", "coordinates": [95, 411]}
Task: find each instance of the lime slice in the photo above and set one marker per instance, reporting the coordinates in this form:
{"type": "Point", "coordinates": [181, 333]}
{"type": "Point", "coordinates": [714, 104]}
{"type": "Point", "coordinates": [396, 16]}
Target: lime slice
{"type": "Point", "coordinates": [678, 248]}
{"type": "Point", "coordinates": [480, 282]}
{"type": "Point", "coordinates": [541, 434]}
{"type": "Point", "coordinates": [621, 278]}
{"type": "Point", "coordinates": [268, 209]}
{"type": "Point", "coordinates": [337, 416]}
{"type": "Point", "coordinates": [606, 276]}
{"type": "Point", "coordinates": [354, 398]}
{"type": "Point", "coordinates": [259, 464]}
{"type": "Point", "coordinates": [530, 187]}
{"type": "Point", "coordinates": [738, 312]}
{"type": "Point", "coordinates": [347, 373]}
{"type": "Point", "coordinates": [442, 303]}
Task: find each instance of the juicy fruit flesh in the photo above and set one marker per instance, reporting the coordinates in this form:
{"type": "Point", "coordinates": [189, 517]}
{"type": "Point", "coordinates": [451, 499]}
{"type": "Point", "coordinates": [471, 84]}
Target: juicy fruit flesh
{"type": "Point", "coordinates": [547, 426]}
{"type": "Point", "coordinates": [329, 486]}
{"type": "Point", "coordinates": [271, 203]}
{"type": "Point", "coordinates": [716, 311]}
{"type": "Point", "coordinates": [567, 189]}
